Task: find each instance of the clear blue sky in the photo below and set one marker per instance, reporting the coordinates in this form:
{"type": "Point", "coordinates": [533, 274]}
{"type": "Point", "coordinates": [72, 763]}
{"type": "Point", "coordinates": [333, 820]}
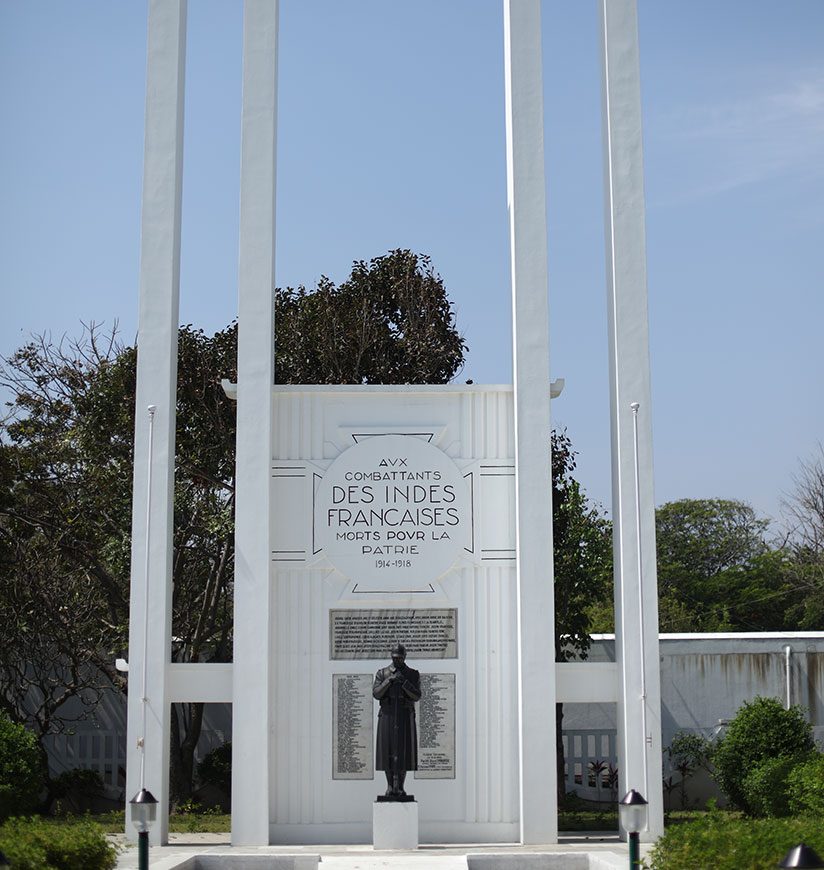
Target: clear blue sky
{"type": "Point", "coordinates": [392, 135]}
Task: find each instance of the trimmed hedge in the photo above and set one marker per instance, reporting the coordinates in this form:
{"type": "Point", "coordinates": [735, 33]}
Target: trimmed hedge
{"type": "Point", "coordinates": [720, 841]}
{"type": "Point", "coordinates": [766, 789]}
{"type": "Point", "coordinates": [805, 787]}
{"type": "Point", "coordinates": [762, 729]}
{"type": "Point", "coordinates": [35, 844]}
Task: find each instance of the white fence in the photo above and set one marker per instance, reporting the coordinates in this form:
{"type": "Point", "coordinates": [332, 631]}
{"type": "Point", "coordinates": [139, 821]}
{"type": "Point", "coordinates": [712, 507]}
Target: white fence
{"type": "Point", "coordinates": [590, 758]}
{"type": "Point", "coordinates": [105, 752]}
{"type": "Point", "coordinates": [591, 763]}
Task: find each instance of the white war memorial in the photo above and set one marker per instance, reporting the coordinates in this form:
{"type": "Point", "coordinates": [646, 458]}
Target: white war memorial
{"type": "Point", "coordinates": [367, 516]}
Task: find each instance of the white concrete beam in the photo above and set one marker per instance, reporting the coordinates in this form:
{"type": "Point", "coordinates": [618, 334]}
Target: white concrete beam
{"type": "Point", "coordinates": [201, 682]}
{"type": "Point", "coordinates": [587, 682]}
{"type": "Point", "coordinates": [151, 597]}
{"type": "Point", "coordinates": [530, 307]}
{"type": "Point", "coordinates": [253, 667]}
{"type": "Point", "coordinates": [636, 596]}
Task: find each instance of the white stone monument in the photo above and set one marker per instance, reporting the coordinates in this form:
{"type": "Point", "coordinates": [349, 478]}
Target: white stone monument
{"type": "Point", "coordinates": [456, 562]}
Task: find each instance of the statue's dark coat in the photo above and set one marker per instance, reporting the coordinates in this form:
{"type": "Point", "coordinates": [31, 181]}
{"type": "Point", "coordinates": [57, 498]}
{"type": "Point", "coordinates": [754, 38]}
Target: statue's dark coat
{"type": "Point", "coordinates": [397, 745]}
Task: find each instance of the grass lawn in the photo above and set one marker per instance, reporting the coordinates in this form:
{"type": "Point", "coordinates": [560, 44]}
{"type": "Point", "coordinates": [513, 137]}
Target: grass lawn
{"type": "Point", "coordinates": [576, 815]}
{"type": "Point", "coordinates": [179, 823]}
{"type": "Point", "coordinates": [581, 815]}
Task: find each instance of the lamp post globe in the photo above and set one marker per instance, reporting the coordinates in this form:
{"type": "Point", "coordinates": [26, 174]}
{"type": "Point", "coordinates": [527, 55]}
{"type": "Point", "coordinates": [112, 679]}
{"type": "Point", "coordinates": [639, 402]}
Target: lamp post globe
{"type": "Point", "coordinates": [632, 812]}
{"type": "Point", "coordinates": [802, 856]}
{"type": "Point", "coordinates": [143, 812]}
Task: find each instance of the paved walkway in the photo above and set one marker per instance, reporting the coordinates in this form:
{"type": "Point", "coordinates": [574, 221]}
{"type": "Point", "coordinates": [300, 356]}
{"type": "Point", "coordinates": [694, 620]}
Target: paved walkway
{"type": "Point", "coordinates": [362, 857]}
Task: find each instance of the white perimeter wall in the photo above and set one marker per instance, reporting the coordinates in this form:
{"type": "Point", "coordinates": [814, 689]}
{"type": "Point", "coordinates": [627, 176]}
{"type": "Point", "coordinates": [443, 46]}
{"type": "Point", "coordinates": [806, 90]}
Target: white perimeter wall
{"type": "Point", "coordinates": [707, 677]}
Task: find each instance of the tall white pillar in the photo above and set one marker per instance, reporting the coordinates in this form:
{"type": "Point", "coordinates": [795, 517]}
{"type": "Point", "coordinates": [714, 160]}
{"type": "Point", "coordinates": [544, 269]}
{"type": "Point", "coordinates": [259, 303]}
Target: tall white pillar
{"type": "Point", "coordinates": [151, 600]}
{"type": "Point", "coordinates": [636, 595]}
{"type": "Point", "coordinates": [528, 240]}
{"type": "Point", "coordinates": [253, 667]}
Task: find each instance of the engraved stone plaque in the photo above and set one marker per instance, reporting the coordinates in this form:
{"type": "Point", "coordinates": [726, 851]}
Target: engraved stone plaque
{"type": "Point", "coordinates": [392, 510]}
{"type": "Point", "coordinates": [436, 727]}
{"type": "Point", "coordinates": [370, 634]}
{"type": "Point", "coordinates": [352, 749]}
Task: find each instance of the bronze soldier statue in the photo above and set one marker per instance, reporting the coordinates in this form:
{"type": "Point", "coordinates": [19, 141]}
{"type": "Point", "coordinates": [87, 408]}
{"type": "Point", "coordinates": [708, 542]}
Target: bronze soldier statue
{"type": "Point", "coordinates": [397, 687]}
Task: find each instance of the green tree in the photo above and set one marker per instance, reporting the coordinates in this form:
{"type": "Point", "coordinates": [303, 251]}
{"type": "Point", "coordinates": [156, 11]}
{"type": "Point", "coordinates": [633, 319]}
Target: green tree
{"type": "Point", "coordinates": [582, 543]}
{"type": "Point", "coordinates": [716, 569]}
{"type": "Point", "coordinates": [59, 594]}
{"type": "Point", "coordinates": [804, 508]}
{"type": "Point", "coordinates": [65, 528]}
{"type": "Point", "coordinates": [389, 322]}
{"type": "Point", "coordinates": [699, 538]}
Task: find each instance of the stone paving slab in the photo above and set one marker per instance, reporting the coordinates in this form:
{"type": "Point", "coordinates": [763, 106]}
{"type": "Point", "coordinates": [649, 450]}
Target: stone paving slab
{"type": "Point", "coordinates": [610, 852]}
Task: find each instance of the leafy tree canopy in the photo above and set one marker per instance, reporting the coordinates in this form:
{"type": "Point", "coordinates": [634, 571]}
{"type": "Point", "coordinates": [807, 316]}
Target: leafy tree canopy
{"type": "Point", "coordinates": [389, 322]}
{"type": "Point", "coordinates": [582, 542]}
{"type": "Point", "coordinates": [66, 451]}
{"type": "Point", "coordinates": [718, 572]}
{"type": "Point", "coordinates": [804, 506]}
{"type": "Point", "coordinates": [698, 538]}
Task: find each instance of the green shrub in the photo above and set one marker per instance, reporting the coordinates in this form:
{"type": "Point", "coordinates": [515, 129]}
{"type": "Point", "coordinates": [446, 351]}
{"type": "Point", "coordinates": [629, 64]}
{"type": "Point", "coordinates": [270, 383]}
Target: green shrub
{"type": "Point", "coordinates": [24, 855]}
{"type": "Point", "coordinates": [765, 786]}
{"type": "Point", "coordinates": [761, 729]}
{"type": "Point", "coordinates": [720, 841]}
{"type": "Point", "coordinates": [78, 779]}
{"type": "Point", "coordinates": [75, 789]}
{"type": "Point", "coordinates": [35, 844]}
{"type": "Point", "coordinates": [805, 787]}
{"type": "Point", "coordinates": [216, 768]}
{"type": "Point", "coordinates": [687, 753]}
{"type": "Point", "coordinates": [21, 772]}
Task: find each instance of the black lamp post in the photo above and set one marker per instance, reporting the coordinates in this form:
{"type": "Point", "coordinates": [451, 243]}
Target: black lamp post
{"type": "Point", "coordinates": [632, 812]}
{"type": "Point", "coordinates": [143, 813]}
{"type": "Point", "coordinates": [802, 856]}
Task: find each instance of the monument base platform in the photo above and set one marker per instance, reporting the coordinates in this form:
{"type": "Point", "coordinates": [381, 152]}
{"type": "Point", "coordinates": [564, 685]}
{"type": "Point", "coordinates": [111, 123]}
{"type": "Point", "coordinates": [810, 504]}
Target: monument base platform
{"type": "Point", "coordinates": [395, 824]}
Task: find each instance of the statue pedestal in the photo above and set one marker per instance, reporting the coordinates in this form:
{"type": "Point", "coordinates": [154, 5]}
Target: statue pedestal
{"type": "Point", "coordinates": [395, 825]}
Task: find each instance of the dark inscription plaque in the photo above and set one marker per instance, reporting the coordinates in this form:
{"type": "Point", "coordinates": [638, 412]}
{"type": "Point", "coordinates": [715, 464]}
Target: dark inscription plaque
{"type": "Point", "coordinates": [368, 634]}
{"type": "Point", "coordinates": [436, 727]}
{"type": "Point", "coordinates": [352, 756]}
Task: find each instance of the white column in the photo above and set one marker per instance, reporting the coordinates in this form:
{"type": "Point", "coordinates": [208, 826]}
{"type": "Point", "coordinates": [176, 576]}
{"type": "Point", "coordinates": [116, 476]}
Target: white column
{"type": "Point", "coordinates": [156, 385]}
{"type": "Point", "coordinates": [252, 670]}
{"type": "Point", "coordinates": [636, 596]}
{"type": "Point", "coordinates": [528, 240]}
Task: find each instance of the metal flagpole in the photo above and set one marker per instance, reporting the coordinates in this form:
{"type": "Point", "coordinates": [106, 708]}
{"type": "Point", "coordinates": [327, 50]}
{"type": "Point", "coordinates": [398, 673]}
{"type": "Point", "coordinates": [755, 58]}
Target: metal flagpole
{"type": "Point", "coordinates": [143, 696]}
{"type": "Point", "coordinates": [647, 738]}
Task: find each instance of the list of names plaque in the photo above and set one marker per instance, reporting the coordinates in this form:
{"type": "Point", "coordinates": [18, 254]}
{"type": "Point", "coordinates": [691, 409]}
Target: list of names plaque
{"type": "Point", "coordinates": [436, 727]}
{"type": "Point", "coordinates": [352, 735]}
{"type": "Point", "coordinates": [370, 634]}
